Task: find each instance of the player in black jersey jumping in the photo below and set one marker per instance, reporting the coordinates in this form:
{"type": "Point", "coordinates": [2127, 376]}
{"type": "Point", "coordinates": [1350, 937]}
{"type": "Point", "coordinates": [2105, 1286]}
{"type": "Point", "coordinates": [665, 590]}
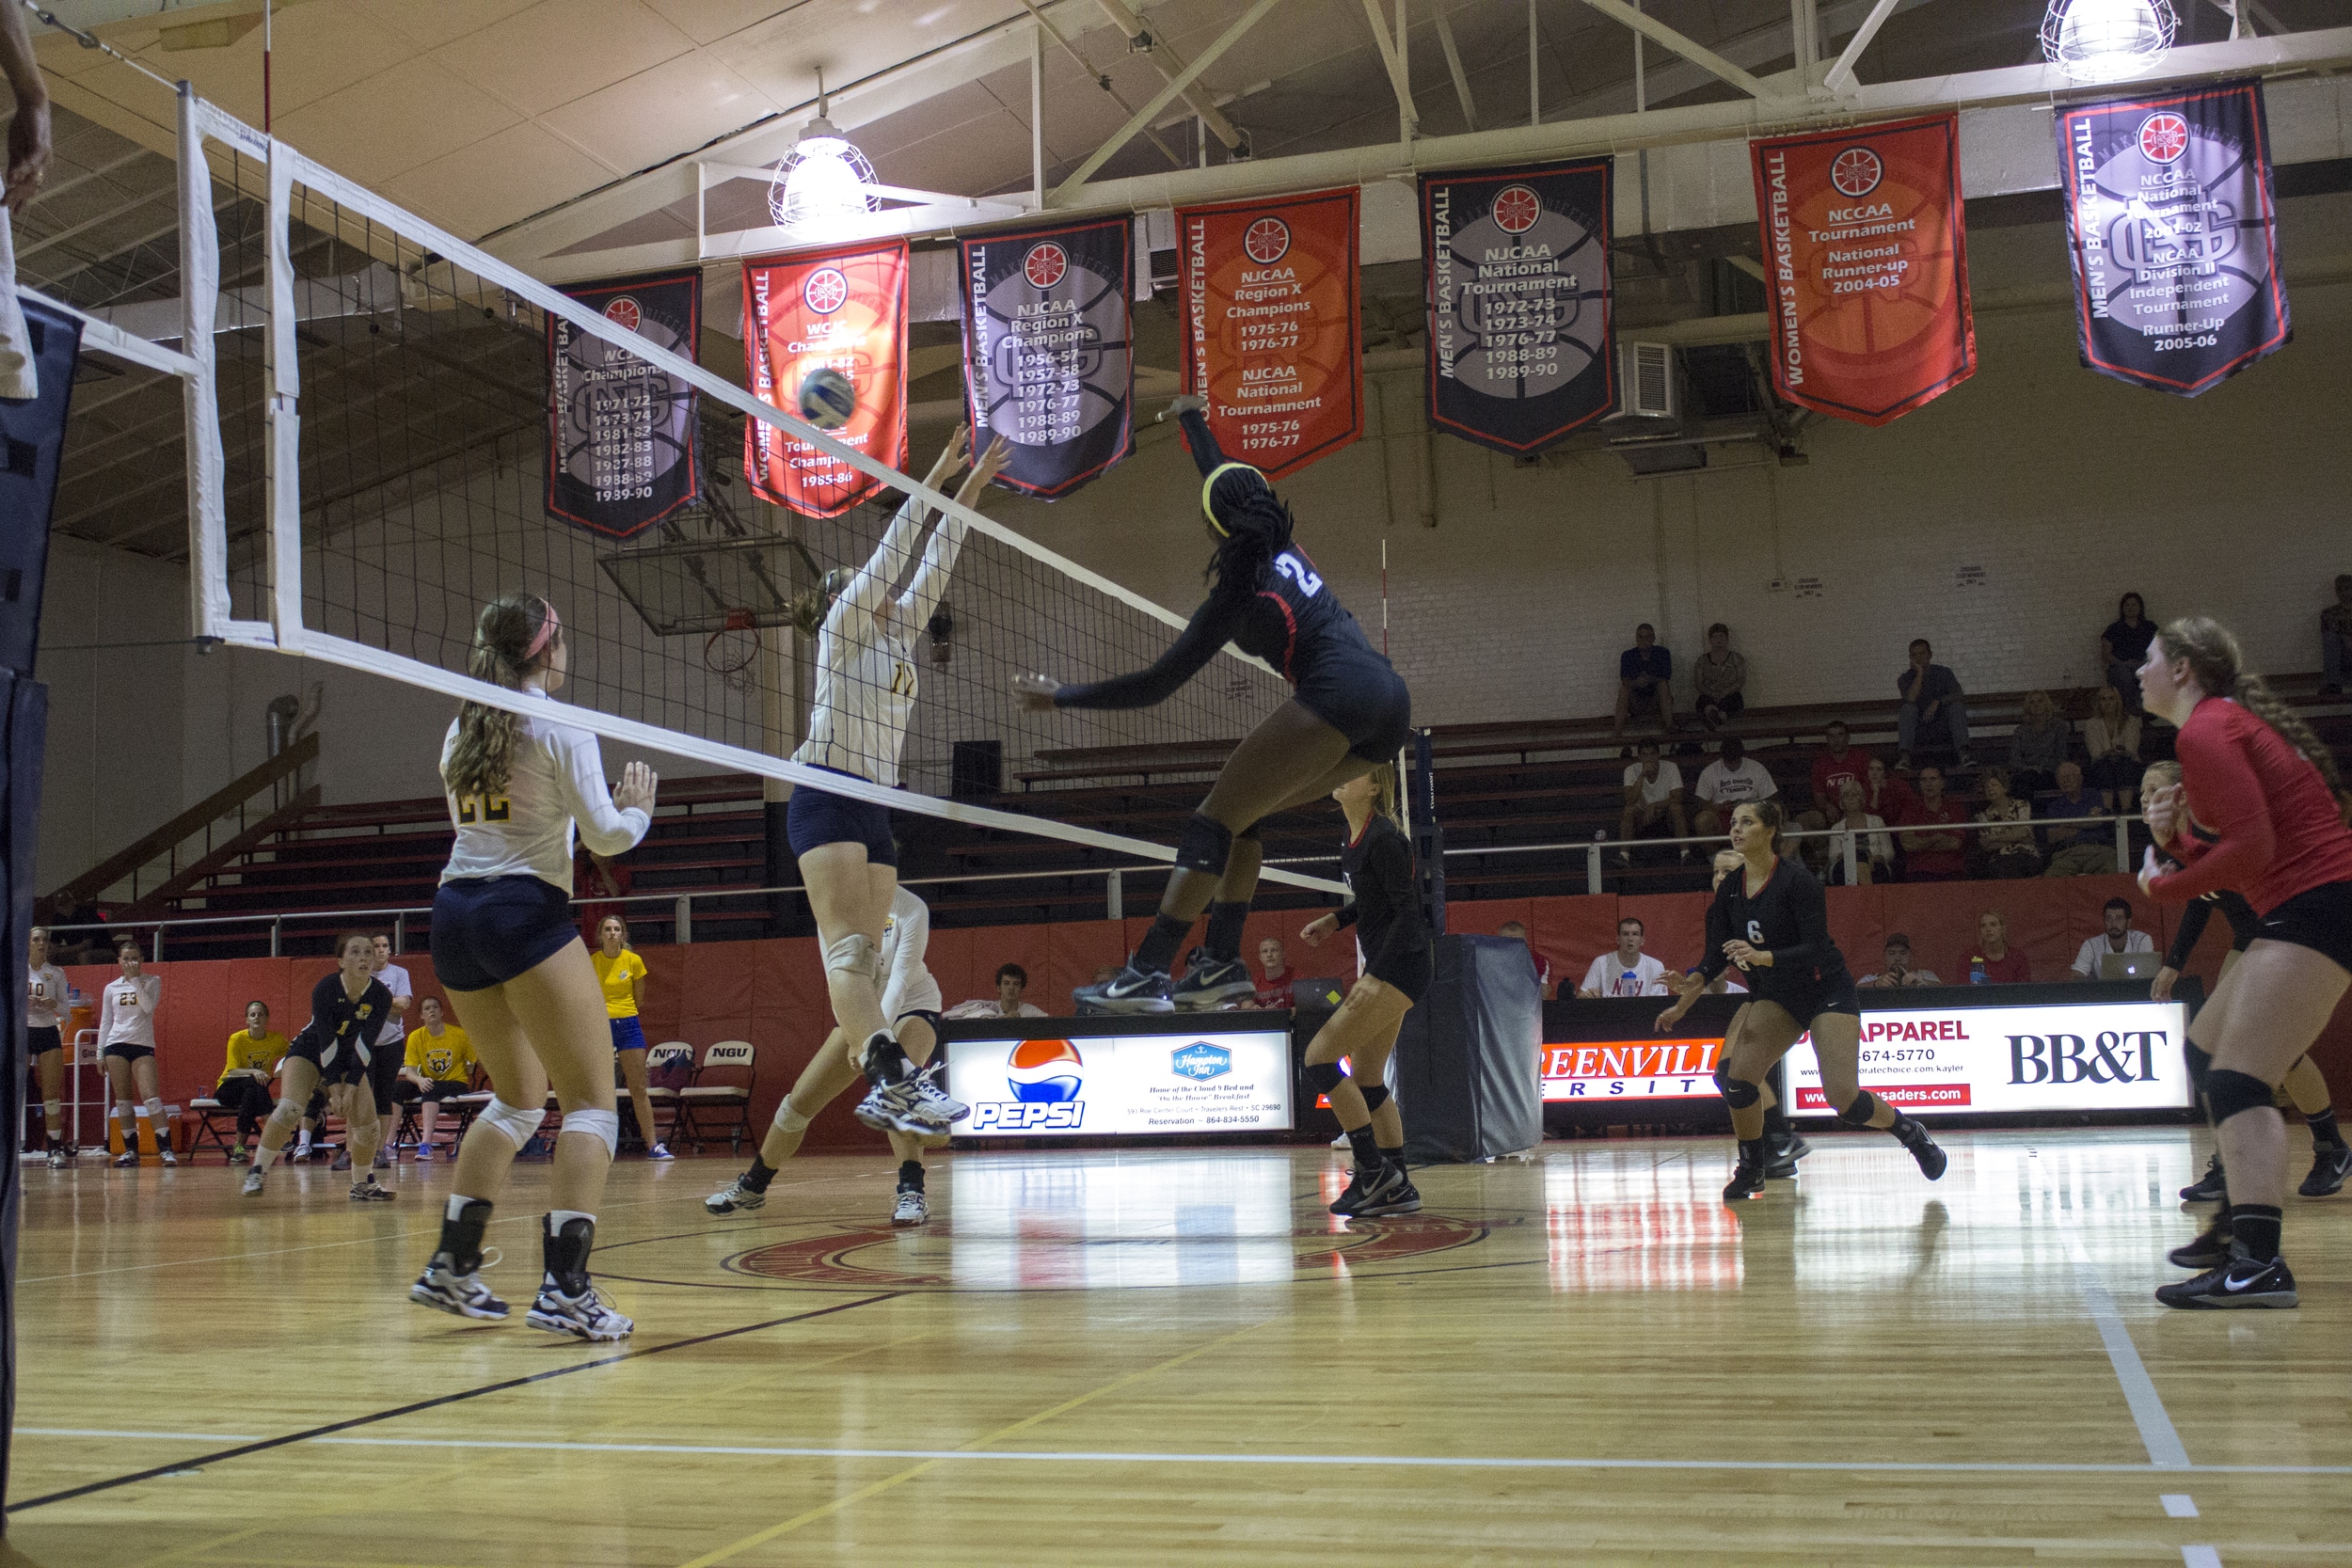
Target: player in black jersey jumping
{"type": "Point", "coordinates": [1349, 712]}
{"type": "Point", "coordinates": [1772, 920]}
{"type": "Point", "coordinates": [1384, 906]}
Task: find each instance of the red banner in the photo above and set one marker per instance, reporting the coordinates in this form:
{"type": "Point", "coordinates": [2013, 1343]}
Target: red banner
{"type": "Point", "coordinates": [1270, 326]}
{"type": "Point", "coordinates": [1865, 259]}
{"type": "Point", "coordinates": [844, 308]}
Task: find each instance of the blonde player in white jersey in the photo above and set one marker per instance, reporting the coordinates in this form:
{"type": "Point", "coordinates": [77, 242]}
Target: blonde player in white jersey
{"type": "Point", "coordinates": [507, 949]}
{"type": "Point", "coordinates": [45, 1011]}
{"type": "Point", "coordinates": [849, 861]}
{"type": "Point", "coordinates": [912, 1001]}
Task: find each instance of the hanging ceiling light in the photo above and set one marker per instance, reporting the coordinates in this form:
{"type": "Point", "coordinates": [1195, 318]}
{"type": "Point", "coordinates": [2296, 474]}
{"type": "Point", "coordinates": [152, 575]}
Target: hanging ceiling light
{"type": "Point", "coordinates": [823, 179]}
{"type": "Point", "coordinates": [2106, 40]}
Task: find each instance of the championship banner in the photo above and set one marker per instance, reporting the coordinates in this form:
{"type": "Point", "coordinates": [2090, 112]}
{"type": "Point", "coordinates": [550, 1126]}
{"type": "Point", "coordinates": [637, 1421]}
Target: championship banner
{"type": "Point", "coordinates": [1049, 356]}
{"type": "Point", "coordinates": [1866, 257]}
{"type": "Point", "coordinates": [623, 441]}
{"type": "Point", "coordinates": [1271, 325]}
{"type": "Point", "coordinates": [2173, 233]}
{"type": "Point", "coordinates": [1518, 302]}
{"type": "Point", "coordinates": [843, 308]}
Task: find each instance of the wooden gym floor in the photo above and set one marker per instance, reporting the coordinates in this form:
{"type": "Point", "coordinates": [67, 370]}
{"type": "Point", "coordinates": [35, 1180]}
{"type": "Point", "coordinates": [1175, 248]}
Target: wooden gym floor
{"type": "Point", "coordinates": [1176, 1357]}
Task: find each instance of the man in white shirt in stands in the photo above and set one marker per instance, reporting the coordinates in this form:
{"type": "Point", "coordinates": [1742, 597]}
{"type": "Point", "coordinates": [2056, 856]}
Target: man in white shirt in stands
{"type": "Point", "coordinates": [2119, 936]}
{"type": "Point", "coordinates": [1011, 980]}
{"type": "Point", "coordinates": [1627, 971]}
{"type": "Point", "coordinates": [1653, 790]}
{"type": "Point", "coordinates": [1731, 777]}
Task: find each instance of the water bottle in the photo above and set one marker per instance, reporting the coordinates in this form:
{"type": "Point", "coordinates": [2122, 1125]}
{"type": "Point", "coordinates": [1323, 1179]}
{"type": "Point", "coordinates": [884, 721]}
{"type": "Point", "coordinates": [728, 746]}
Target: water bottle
{"type": "Point", "coordinates": [1976, 972]}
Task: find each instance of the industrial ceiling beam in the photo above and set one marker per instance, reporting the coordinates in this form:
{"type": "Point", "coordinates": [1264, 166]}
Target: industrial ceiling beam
{"type": "Point", "coordinates": [1690, 49]}
{"type": "Point", "coordinates": [1841, 74]}
{"type": "Point", "coordinates": [1454, 65]}
{"type": "Point", "coordinates": [1170, 64]}
{"type": "Point", "coordinates": [1389, 62]}
{"type": "Point", "coordinates": [1142, 118]}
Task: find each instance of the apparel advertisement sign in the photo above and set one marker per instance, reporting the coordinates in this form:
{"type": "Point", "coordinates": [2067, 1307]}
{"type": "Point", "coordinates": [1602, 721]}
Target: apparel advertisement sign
{"type": "Point", "coordinates": [1123, 1085]}
{"type": "Point", "coordinates": [2172, 230]}
{"type": "Point", "coordinates": [1271, 317]}
{"type": "Point", "coordinates": [1049, 353]}
{"type": "Point", "coordinates": [1518, 302]}
{"type": "Point", "coordinates": [623, 441]}
{"type": "Point", "coordinates": [844, 309]}
{"type": "Point", "coordinates": [1865, 259]}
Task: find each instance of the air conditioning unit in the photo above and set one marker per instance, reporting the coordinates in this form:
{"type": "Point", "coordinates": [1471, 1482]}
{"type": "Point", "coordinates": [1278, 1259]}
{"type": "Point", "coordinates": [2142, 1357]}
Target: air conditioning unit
{"type": "Point", "coordinates": [1650, 378]}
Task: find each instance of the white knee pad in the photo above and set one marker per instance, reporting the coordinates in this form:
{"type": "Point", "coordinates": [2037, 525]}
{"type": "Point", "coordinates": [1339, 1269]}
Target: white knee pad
{"type": "Point", "coordinates": [154, 1108]}
{"type": "Point", "coordinates": [854, 954]}
{"type": "Point", "coordinates": [287, 1115]}
{"type": "Point", "coordinates": [788, 1120]}
{"type": "Point", "coordinates": [513, 1120]}
{"type": "Point", "coordinates": [603, 1124]}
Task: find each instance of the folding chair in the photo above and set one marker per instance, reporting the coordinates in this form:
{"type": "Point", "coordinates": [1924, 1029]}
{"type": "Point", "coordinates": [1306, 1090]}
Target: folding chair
{"type": "Point", "coordinates": [720, 1097]}
{"type": "Point", "coordinates": [662, 1059]}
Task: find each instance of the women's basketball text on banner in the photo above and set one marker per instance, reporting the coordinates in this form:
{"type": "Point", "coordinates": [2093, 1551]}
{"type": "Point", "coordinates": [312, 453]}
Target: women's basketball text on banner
{"type": "Point", "coordinates": [1270, 323]}
{"type": "Point", "coordinates": [622, 437]}
{"type": "Point", "coordinates": [1049, 354]}
{"type": "Point", "coordinates": [843, 309]}
{"type": "Point", "coordinates": [1519, 302]}
{"type": "Point", "coordinates": [1866, 267]}
{"type": "Point", "coordinates": [2173, 231]}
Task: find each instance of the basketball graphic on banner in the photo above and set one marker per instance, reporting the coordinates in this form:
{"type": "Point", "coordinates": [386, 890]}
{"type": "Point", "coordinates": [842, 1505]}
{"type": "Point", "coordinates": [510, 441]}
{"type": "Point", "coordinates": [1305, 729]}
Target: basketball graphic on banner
{"type": "Point", "coordinates": [624, 311]}
{"type": "Point", "coordinates": [1517, 210]}
{"type": "Point", "coordinates": [1266, 241]}
{"type": "Point", "coordinates": [1856, 171]}
{"type": "Point", "coordinates": [826, 291]}
{"type": "Point", "coordinates": [1044, 266]}
{"type": "Point", "coordinates": [2163, 137]}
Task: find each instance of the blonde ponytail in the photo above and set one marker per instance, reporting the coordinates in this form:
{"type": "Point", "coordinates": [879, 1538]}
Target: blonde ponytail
{"type": "Point", "coordinates": [514, 635]}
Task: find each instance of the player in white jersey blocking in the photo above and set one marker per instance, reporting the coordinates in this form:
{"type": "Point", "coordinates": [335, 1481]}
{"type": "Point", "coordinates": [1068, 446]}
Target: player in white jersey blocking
{"type": "Point", "coordinates": [505, 947]}
{"type": "Point", "coordinates": [911, 1001]}
{"type": "Point", "coordinates": [857, 726]}
{"type": "Point", "coordinates": [46, 1008]}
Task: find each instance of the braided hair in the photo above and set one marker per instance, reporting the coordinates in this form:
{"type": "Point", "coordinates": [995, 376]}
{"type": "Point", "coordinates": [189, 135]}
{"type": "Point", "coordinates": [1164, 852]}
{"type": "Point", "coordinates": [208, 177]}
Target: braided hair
{"type": "Point", "coordinates": [1252, 524]}
{"type": "Point", "coordinates": [2219, 663]}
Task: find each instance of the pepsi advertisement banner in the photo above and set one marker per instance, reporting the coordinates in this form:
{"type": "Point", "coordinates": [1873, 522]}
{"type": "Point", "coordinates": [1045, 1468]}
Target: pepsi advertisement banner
{"type": "Point", "coordinates": [2173, 233]}
{"type": "Point", "coordinates": [1049, 352]}
{"type": "Point", "coordinates": [1518, 302]}
{"type": "Point", "coordinates": [1113, 1085]}
{"type": "Point", "coordinates": [843, 309]}
{"type": "Point", "coordinates": [622, 441]}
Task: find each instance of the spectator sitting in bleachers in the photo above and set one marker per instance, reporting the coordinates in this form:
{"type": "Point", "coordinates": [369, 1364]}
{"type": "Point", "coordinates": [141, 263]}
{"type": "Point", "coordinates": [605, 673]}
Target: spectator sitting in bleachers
{"type": "Point", "coordinates": [2123, 647]}
{"type": "Point", "coordinates": [2335, 638]}
{"type": "Point", "coordinates": [254, 1053]}
{"type": "Point", "coordinates": [1720, 677]}
{"type": "Point", "coordinates": [2085, 850]}
{"type": "Point", "coordinates": [1653, 794]}
{"type": "Point", "coordinates": [1932, 696]}
{"type": "Point", "coordinates": [1873, 846]}
{"type": "Point", "coordinates": [1517, 932]}
{"type": "Point", "coordinates": [1731, 777]}
{"type": "Point", "coordinates": [1646, 680]}
{"type": "Point", "coordinates": [1625, 972]}
{"type": "Point", "coordinates": [2112, 737]}
{"type": "Point", "coordinates": [1274, 988]}
{"type": "Point", "coordinates": [2009, 852]}
{"type": "Point", "coordinates": [1884, 794]}
{"type": "Point", "coordinates": [1011, 980]}
{"type": "Point", "coordinates": [1837, 763]}
{"type": "Point", "coordinates": [1992, 962]}
{"type": "Point", "coordinates": [1941, 857]}
{"type": "Point", "coordinates": [2041, 741]}
{"type": "Point", "coordinates": [438, 1066]}
{"type": "Point", "coordinates": [1896, 970]}
{"type": "Point", "coordinates": [2119, 936]}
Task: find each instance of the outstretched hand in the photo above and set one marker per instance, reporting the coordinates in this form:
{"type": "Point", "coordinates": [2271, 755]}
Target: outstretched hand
{"type": "Point", "coordinates": [1033, 692]}
{"type": "Point", "coordinates": [992, 463]}
{"type": "Point", "coordinates": [951, 457]}
{"type": "Point", "coordinates": [636, 789]}
{"type": "Point", "coordinates": [1318, 929]}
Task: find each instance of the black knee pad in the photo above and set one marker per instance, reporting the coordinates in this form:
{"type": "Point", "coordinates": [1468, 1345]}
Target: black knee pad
{"type": "Point", "coordinates": [2200, 1066]}
{"type": "Point", "coordinates": [2229, 1093]}
{"type": "Point", "coordinates": [1250, 832]}
{"type": "Point", "coordinates": [1323, 1077]}
{"type": "Point", "coordinates": [1738, 1092]}
{"type": "Point", "coordinates": [1375, 1096]}
{"type": "Point", "coordinates": [1865, 1106]}
{"type": "Point", "coordinates": [1204, 846]}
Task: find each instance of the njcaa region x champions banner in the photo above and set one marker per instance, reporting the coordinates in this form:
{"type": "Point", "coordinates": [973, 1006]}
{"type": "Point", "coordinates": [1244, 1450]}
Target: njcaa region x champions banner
{"type": "Point", "coordinates": [1518, 302]}
{"type": "Point", "coordinates": [841, 309]}
{"type": "Point", "coordinates": [622, 437]}
{"type": "Point", "coordinates": [1271, 317]}
{"type": "Point", "coordinates": [2174, 236]}
{"type": "Point", "coordinates": [1865, 259]}
{"type": "Point", "coordinates": [1049, 354]}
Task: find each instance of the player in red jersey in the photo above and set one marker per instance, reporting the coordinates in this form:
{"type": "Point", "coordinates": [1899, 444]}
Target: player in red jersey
{"type": "Point", "coordinates": [2259, 808]}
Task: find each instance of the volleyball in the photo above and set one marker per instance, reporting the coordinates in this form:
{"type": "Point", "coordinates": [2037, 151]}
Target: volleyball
{"type": "Point", "coordinates": [827, 399]}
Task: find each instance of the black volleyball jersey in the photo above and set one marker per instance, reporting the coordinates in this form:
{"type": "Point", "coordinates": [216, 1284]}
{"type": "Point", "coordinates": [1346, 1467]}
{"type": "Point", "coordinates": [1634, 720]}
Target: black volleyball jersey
{"type": "Point", "coordinates": [1790, 917]}
{"type": "Point", "coordinates": [339, 1024]}
{"type": "Point", "coordinates": [1383, 897]}
{"type": "Point", "coordinates": [2245, 925]}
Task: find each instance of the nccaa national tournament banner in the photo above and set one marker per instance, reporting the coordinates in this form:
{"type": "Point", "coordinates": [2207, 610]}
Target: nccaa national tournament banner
{"type": "Point", "coordinates": [1049, 353]}
{"type": "Point", "coordinates": [846, 310]}
{"type": "Point", "coordinates": [1271, 325]}
{"type": "Point", "coordinates": [1519, 302]}
{"type": "Point", "coordinates": [1865, 259]}
{"type": "Point", "coordinates": [2174, 233]}
{"type": "Point", "coordinates": [622, 437]}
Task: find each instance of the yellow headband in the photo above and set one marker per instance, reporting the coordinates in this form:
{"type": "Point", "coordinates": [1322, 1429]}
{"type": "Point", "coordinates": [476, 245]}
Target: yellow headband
{"type": "Point", "coordinates": [1208, 483]}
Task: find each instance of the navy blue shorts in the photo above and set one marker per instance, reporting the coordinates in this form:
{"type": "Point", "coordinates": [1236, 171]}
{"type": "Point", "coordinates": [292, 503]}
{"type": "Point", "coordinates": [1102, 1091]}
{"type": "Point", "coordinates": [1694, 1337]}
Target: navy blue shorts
{"type": "Point", "coordinates": [813, 817]}
{"type": "Point", "coordinates": [488, 929]}
{"type": "Point", "coordinates": [627, 1034]}
{"type": "Point", "coordinates": [1359, 694]}
{"type": "Point", "coordinates": [39, 1042]}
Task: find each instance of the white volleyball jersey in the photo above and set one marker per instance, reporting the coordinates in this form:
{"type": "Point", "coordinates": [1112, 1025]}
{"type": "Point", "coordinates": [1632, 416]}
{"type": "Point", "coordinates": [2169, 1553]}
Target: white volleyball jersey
{"type": "Point", "coordinates": [865, 677]}
{"type": "Point", "coordinates": [557, 779]}
{"type": "Point", "coordinates": [908, 985]}
{"type": "Point", "coordinates": [126, 1016]}
{"type": "Point", "coordinates": [46, 1002]}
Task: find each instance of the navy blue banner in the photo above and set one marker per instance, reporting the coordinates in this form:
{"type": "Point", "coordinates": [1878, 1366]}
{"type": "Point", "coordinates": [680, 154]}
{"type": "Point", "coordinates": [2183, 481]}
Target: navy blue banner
{"type": "Point", "coordinates": [1049, 352]}
{"type": "Point", "coordinates": [622, 443]}
{"type": "Point", "coordinates": [2172, 228]}
{"type": "Point", "coordinates": [1518, 300]}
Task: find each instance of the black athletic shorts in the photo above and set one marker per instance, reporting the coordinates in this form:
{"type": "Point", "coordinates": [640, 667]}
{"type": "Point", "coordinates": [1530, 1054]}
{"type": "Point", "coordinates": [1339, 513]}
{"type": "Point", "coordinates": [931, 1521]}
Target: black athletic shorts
{"type": "Point", "coordinates": [435, 1089]}
{"type": "Point", "coordinates": [2318, 918]}
{"type": "Point", "coordinates": [1409, 971]}
{"type": "Point", "coordinates": [1832, 993]}
{"type": "Point", "coordinates": [812, 819]}
{"type": "Point", "coordinates": [338, 1061]}
{"type": "Point", "coordinates": [39, 1041]}
{"type": "Point", "coordinates": [488, 929]}
{"type": "Point", "coordinates": [1359, 694]}
{"type": "Point", "coordinates": [128, 1052]}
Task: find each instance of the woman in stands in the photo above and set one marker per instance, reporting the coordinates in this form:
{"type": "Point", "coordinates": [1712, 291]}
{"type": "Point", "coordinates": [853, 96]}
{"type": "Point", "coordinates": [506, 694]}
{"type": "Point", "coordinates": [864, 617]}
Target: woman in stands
{"type": "Point", "coordinates": [126, 1037]}
{"type": "Point", "coordinates": [1772, 920]}
{"type": "Point", "coordinates": [857, 726]}
{"type": "Point", "coordinates": [518, 975]}
{"type": "Point", "coordinates": [252, 1061]}
{"type": "Point", "coordinates": [622, 974]}
{"type": "Point", "coordinates": [333, 1051]}
{"type": "Point", "coordinates": [47, 1009]}
{"type": "Point", "coordinates": [1787, 1144]}
{"type": "Point", "coordinates": [911, 1001]}
{"type": "Point", "coordinates": [2259, 808]}
{"type": "Point", "coordinates": [1349, 713]}
{"type": "Point", "coordinates": [1393, 940]}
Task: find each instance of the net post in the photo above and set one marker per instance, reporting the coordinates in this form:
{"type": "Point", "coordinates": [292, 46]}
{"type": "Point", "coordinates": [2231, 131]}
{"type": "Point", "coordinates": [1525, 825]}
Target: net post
{"type": "Point", "coordinates": [2122, 844]}
{"type": "Point", "coordinates": [1592, 866]}
{"type": "Point", "coordinates": [282, 387]}
{"type": "Point", "coordinates": [1850, 859]}
{"type": "Point", "coordinates": [274, 927]}
{"type": "Point", "coordinates": [209, 610]}
{"type": "Point", "coordinates": [400, 933]}
{"type": "Point", "coordinates": [683, 917]}
{"type": "Point", "coordinates": [1115, 894]}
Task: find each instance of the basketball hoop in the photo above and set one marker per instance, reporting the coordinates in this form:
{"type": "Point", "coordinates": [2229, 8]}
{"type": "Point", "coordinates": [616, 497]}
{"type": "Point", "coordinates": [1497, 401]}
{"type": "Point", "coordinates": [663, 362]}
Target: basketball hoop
{"type": "Point", "coordinates": [729, 652]}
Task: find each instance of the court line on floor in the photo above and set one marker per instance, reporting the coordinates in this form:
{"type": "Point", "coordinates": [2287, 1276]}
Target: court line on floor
{"type": "Point", "coordinates": [2156, 1432]}
{"type": "Point", "coordinates": [264, 1445]}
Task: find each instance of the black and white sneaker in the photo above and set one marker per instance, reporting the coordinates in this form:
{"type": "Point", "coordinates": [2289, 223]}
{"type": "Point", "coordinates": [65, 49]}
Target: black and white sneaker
{"type": "Point", "coordinates": [1213, 983]}
{"type": "Point", "coordinates": [1131, 991]}
{"type": "Point", "coordinates": [56, 1158]}
{"type": "Point", "coordinates": [913, 1208]}
{"type": "Point", "coordinates": [1747, 1181]}
{"type": "Point", "coordinates": [1370, 1189]}
{"type": "Point", "coordinates": [2209, 1250]}
{"type": "Point", "coordinates": [1930, 1155]}
{"type": "Point", "coordinates": [1787, 1148]}
{"type": "Point", "coordinates": [2207, 1188]}
{"type": "Point", "coordinates": [914, 1106]}
{"type": "Point", "coordinates": [2239, 1282]}
{"type": "Point", "coordinates": [2330, 1164]}
{"type": "Point", "coordinates": [934, 1105]}
{"type": "Point", "coordinates": [1400, 1197]}
{"type": "Point", "coordinates": [734, 1198]}
{"type": "Point", "coordinates": [368, 1192]}
{"type": "Point", "coordinates": [584, 1316]}
{"type": "Point", "coordinates": [464, 1295]}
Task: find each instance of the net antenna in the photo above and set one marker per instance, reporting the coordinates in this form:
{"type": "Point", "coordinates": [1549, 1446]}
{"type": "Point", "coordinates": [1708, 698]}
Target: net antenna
{"type": "Point", "coordinates": [392, 448]}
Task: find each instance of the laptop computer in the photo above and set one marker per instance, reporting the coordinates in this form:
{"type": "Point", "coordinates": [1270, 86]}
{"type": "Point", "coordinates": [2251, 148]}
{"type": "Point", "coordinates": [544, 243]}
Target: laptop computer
{"type": "Point", "coordinates": [1315, 996]}
{"type": "Point", "coordinates": [2129, 966]}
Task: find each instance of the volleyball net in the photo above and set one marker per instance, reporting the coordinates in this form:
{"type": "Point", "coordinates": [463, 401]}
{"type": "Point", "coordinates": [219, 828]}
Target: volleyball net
{"type": "Point", "coordinates": [369, 463]}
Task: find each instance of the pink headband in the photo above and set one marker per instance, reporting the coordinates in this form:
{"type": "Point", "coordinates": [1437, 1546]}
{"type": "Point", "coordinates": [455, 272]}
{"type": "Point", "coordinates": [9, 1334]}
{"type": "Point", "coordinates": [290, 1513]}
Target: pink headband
{"type": "Point", "coordinates": [548, 628]}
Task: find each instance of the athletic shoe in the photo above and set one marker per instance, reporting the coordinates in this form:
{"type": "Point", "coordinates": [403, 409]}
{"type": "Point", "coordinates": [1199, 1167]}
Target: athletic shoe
{"type": "Point", "coordinates": [1401, 1199]}
{"type": "Point", "coordinates": [127, 1159]}
{"type": "Point", "coordinates": [1370, 1189]}
{"type": "Point", "coordinates": [424, 1154]}
{"type": "Point", "coordinates": [2330, 1164]}
{"type": "Point", "coordinates": [1131, 991]}
{"type": "Point", "coordinates": [2207, 1188]}
{"type": "Point", "coordinates": [56, 1158]}
{"type": "Point", "coordinates": [253, 1179]}
{"type": "Point", "coordinates": [912, 1208]}
{"type": "Point", "coordinates": [1747, 1181]}
{"type": "Point", "coordinates": [1211, 983]}
{"type": "Point", "coordinates": [2239, 1282]}
{"type": "Point", "coordinates": [240, 1156]}
{"type": "Point", "coordinates": [910, 1105]}
{"type": "Point", "coordinates": [1787, 1149]}
{"type": "Point", "coordinates": [368, 1192]}
{"type": "Point", "coordinates": [584, 1316]}
{"type": "Point", "coordinates": [169, 1158]}
{"type": "Point", "coordinates": [735, 1197]}
{"type": "Point", "coordinates": [384, 1158]}
{"type": "Point", "coordinates": [659, 1152]}
{"type": "Point", "coordinates": [342, 1159]}
{"type": "Point", "coordinates": [1343, 1141]}
{"type": "Point", "coordinates": [298, 1154]}
{"type": "Point", "coordinates": [444, 1290]}
{"type": "Point", "coordinates": [2209, 1250]}
{"type": "Point", "coordinates": [1924, 1150]}
{"type": "Point", "coordinates": [934, 1105]}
